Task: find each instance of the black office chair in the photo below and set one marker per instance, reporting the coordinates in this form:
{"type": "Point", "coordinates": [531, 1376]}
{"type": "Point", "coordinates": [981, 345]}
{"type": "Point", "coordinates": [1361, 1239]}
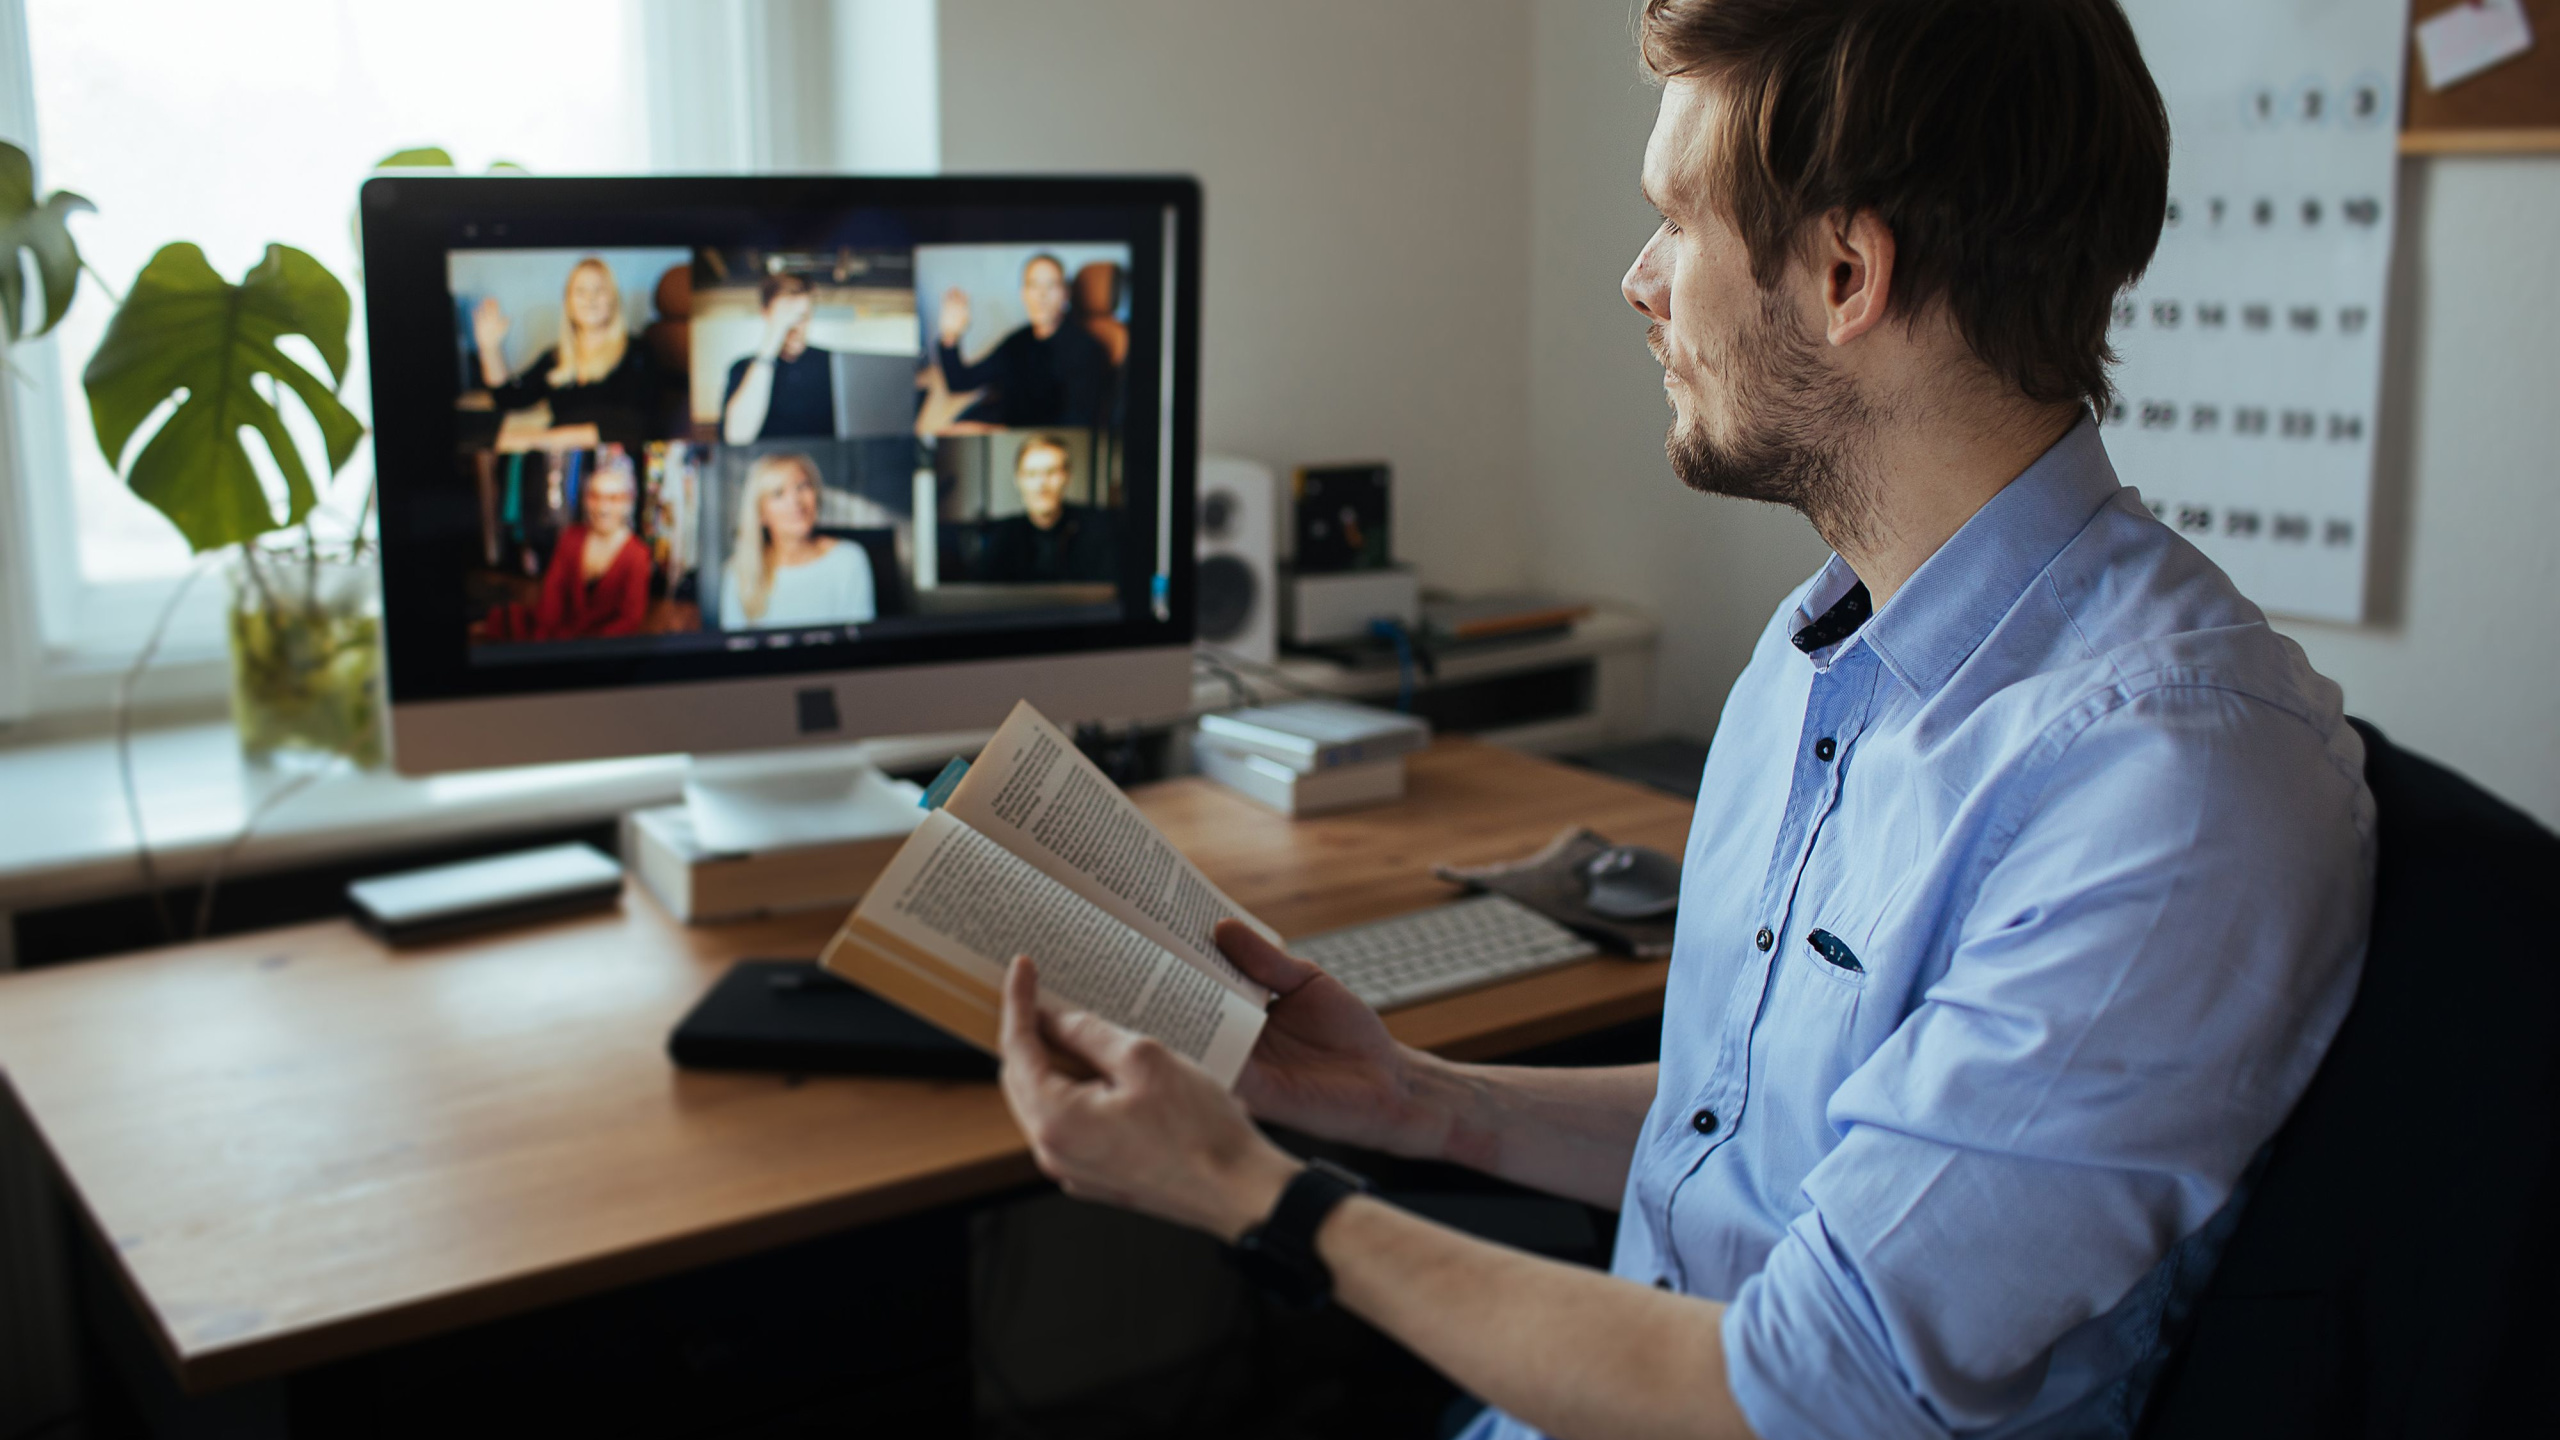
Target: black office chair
{"type": "Point", "coordinates": [2394, 1271]}
{"type": "Point", "coordinates": [888, 582]}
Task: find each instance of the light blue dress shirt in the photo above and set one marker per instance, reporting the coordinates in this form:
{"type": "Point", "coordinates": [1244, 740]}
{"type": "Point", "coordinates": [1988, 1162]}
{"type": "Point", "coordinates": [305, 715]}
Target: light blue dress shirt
{"type": "Point", "coordinates": [2090, 854]}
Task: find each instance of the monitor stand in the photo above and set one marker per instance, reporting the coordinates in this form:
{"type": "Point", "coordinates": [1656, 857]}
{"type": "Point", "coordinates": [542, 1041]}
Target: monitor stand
{"type": "Point", "coordinates": [775, 799]}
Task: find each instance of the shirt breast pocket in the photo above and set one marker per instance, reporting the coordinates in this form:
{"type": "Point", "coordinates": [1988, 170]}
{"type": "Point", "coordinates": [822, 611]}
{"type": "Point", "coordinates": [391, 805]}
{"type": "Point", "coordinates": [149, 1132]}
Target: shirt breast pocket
{"type": "Point", "coordinates": [1819, 1024]}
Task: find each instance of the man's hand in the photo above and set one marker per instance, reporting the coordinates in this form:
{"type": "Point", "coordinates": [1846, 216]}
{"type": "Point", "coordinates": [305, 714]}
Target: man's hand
{"type": "Point", "coordinates": [788, 312]}
{"type": "Point", "coordinates": [1117, 1117]}
{"type": "Point", "coordinates": [1325, 1063]}
{"type": "Point", "coordinates": [955, 315]}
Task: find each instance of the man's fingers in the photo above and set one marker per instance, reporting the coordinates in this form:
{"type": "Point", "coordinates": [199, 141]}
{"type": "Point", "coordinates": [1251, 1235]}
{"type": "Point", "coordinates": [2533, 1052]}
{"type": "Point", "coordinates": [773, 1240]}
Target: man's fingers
{"type": "Point", "coordinates": [1096, 1041]}
{"type": "Point", "coordinates": [1262, 962]}
{"type": "Point", "coordinates": [1027, 1071]}
{"type": "Point", "coordinates": [1015, 1027]}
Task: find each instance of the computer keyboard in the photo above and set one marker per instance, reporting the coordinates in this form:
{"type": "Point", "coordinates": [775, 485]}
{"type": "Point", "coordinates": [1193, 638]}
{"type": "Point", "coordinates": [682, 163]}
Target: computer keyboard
{"type": "Point", "coordinates": [1441, 951]}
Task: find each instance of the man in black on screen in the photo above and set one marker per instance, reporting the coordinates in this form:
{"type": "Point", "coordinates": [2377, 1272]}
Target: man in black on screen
{"type": "Point", "coordinates": [1048, 372]}
{"type": "Point", "coordinates": [786, 389]}
{"type": "Point", "coordinates": [1051, 541]}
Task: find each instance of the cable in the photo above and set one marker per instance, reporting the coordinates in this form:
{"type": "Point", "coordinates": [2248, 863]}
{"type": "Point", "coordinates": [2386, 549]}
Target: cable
{"type": "Point", "coordinates": [222, 861]}
{"type": "Point", "coordinates": [123, 708]}
{"type": "Point", "coordinates": [1271, 673]}
{"type": "Point", "coordinates": [1394, 633]}
{"type": "Point", "coordinates": [1237, 690]}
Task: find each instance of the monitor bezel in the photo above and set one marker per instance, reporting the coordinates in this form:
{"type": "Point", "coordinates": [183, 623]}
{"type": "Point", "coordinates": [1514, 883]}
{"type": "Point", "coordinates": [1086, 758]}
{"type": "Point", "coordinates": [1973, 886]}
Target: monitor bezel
{"type": "Point", "coordinates": [412, 223]}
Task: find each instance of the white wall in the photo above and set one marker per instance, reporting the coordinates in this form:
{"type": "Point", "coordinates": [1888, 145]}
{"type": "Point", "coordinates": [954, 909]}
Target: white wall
{"type": "Point", "coordinates": [1367, 269]}
{"type": "Point", "coordinates": [1607, 515]}
{"type": "Point", "coordinates": [2463, 660]}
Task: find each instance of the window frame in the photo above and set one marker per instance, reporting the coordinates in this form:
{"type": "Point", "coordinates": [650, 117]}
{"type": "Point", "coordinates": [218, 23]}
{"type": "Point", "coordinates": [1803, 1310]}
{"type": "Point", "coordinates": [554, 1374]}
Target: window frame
{"type": "Point", "coordinates": [781, 85]}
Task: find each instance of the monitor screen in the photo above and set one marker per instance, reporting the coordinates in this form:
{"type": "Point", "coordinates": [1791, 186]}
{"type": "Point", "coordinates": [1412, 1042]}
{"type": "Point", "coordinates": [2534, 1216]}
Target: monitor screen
{"type": "Point", "coordinates": [639, 432]}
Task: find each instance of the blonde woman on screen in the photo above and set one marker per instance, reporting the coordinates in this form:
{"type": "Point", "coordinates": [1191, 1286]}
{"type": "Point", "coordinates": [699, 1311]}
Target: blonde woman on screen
{"type": "Point", "coordinates": [598, 384]}
{"type": "Point", "coordinates": [781, 571]}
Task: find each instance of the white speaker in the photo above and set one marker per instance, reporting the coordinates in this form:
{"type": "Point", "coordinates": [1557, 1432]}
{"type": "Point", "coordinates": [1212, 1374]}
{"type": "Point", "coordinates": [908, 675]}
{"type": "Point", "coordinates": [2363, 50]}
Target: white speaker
{"type": "Point", "coordinates": [1238, 542]}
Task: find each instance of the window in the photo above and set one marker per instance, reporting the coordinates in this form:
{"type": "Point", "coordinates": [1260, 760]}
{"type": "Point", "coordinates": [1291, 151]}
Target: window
{"type": "Point", "coordinates": [232, 128]}
{"type": "Point", "coordinates": [198, 122]}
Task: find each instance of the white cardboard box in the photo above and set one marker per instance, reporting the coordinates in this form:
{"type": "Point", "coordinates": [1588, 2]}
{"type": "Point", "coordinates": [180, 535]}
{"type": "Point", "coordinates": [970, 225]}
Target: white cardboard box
{"type": "Point", "coordinates": [699, 886]}
{"type": "Point", "coordinates": [1338, 605]}
{"type": "Point", "coordinates": [1272, 783]}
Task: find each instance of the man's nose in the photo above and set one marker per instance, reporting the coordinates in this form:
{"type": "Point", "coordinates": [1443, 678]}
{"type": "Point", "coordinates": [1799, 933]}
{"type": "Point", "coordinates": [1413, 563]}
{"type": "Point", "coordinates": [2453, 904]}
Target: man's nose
{"type": "Point", "coordinates": [1645, 287]}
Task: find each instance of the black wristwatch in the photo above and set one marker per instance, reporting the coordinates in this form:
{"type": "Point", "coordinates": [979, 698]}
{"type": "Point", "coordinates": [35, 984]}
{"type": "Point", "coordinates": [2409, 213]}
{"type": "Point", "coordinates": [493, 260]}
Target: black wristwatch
{"type": "Point", "coordinates": [1280, 1253]}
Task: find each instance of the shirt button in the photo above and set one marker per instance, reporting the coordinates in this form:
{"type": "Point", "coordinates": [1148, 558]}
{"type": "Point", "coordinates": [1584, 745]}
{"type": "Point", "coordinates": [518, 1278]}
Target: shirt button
{"type": "Point", "coordinates": [1764, 939]}
{"type": "Point", "coordinates": [1661, 1282]}
{"type": "Point", "coordinates": [1704, 1122]}
{"type": "Point", "coordinates": [1823, 749]}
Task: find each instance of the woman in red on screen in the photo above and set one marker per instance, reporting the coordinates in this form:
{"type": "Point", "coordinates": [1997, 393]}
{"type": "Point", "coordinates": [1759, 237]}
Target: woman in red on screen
{"type": "Point", "coordinates": [600, 387]}
{"type": "Point", "coordinates": [598, 583]}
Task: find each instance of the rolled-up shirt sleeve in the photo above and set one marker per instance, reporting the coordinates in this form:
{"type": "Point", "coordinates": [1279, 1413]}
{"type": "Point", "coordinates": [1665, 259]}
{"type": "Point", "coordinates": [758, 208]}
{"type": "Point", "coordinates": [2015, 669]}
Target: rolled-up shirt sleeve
{"type": "Point", "coordinates": [2143, 981]}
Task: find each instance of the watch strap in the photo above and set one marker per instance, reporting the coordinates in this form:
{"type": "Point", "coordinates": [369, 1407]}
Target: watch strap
{"type": "Point", "coordinates": [1281, 1251]}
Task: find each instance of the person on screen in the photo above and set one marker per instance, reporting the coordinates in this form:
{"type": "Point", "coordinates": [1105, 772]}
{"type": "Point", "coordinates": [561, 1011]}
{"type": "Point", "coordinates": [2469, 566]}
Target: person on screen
{"type": "Point", "coordinates": [1051, 541]}
{"type": "Point", "coordinates": [598, 583]}
{"type": "Point", "coordinates": [782, 571]}
{"type": "Point", "coordinates": [600, 386]}
{"type": "Point", "coordinates": [1048, 372]}
{"type": "Point", "coordinates": [784, 391]}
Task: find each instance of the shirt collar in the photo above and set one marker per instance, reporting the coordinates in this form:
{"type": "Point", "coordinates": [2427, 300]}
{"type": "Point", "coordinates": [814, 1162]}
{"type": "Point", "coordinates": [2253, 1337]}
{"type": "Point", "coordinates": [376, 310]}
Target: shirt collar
{"type": "Point", "coordinates": [1833, 609]}
{"type": "Point", "coordinates": [1958, 594]}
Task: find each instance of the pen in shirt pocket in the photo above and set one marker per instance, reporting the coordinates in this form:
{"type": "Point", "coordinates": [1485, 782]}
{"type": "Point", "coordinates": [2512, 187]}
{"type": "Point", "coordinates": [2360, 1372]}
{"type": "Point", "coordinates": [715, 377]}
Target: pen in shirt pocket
{"type": "Point", "coordinates": [1828, 946]}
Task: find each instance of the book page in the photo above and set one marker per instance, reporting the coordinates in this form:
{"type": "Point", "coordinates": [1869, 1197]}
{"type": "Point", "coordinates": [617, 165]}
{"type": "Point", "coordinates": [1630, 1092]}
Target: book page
{"type": "Point", "coordinates": [1034, 793]}
{"type": "Point", "coordinates": [938, 928]}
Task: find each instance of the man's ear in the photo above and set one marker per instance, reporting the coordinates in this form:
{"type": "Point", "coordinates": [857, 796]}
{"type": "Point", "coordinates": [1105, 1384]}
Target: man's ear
{"type": "Point", "coordinates": [1853, 255]}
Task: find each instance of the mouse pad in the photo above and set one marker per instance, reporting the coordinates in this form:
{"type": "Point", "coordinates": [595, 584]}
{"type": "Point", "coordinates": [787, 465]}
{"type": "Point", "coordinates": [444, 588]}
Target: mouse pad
{"type": "Point", "coordinates": [1551, 883]}
{"type": "Point", "coordinates": [791, 1016]}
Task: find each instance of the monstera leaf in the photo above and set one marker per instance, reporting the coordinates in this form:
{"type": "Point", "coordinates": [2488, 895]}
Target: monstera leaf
{"type": "Point", "coordinates": [185, 333]}
{"type": "Point", "coordinates": [40, 230]}
{"type": "Point", "coordinates": [423, 157]}
{"type": "Point", "coordinates": [436, 157]}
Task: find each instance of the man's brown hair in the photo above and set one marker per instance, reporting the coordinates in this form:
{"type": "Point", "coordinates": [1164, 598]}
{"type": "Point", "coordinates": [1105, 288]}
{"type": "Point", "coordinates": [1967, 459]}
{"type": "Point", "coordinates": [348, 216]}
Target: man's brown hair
{"type": "Point", "coordinates": [781, 283]}
{"type": "Point", "coordinates": [2017, 149]}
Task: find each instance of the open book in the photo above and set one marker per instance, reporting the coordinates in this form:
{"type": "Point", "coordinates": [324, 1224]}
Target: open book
{"type": "Point", "coordinates": [1037, 854]}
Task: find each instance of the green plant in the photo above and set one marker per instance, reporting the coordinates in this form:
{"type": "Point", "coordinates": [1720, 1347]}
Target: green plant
{"type": "Point", "coordinates": [206, 357]}
{"type": "Point", "coordinates": [190, 361]}
{"type": "Point", "coordinates": [435, 157]}
{"type": "Point", "coordinates": [185, 333]}
{"type": "Point", "coordinates": [306, 655]}
{"type": "Point", "coordinates": [41, 229]}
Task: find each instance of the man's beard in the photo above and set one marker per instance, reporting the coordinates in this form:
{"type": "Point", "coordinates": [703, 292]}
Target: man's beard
{"type": "Point", "coordinates": [1796, 422]}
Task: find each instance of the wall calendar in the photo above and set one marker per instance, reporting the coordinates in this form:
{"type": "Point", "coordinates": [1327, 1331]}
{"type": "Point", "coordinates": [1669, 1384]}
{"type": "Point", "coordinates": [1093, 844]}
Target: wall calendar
{"type": "Point", "coordinates": [2252, 349]}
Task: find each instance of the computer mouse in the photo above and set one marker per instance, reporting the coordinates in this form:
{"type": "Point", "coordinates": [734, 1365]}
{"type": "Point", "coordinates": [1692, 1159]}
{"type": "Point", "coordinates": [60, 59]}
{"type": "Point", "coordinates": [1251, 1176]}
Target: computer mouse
{"type": "Point", "coordinates": [1630, 882]}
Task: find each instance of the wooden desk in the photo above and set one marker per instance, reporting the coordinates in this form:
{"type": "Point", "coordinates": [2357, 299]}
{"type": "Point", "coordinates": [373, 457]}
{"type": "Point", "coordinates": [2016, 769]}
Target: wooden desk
{"type": "Point", "coordinates": [299, 1146]}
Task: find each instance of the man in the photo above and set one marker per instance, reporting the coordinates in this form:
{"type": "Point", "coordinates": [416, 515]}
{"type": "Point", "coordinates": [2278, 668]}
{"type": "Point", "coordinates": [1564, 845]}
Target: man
{"type": "Point", "coordinates": [1046, 372]}
{"type": "Point", "coordinates": [1051, 541]}
{"type": "Point", "coordinates": [2031, 870]}
{"type": "Point", "coordinates": [786, 389]}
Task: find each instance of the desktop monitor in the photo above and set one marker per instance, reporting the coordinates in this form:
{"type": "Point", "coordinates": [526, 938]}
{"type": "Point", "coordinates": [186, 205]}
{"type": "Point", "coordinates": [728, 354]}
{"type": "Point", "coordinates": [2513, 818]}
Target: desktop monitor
{"type": "Point", "coordinates": [720, 464]}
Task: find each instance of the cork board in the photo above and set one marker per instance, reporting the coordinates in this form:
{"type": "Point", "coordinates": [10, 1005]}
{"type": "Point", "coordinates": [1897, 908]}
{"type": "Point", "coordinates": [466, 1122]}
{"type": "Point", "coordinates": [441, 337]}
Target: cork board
{"type": "Point", "coordinates": [2514, 107]}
